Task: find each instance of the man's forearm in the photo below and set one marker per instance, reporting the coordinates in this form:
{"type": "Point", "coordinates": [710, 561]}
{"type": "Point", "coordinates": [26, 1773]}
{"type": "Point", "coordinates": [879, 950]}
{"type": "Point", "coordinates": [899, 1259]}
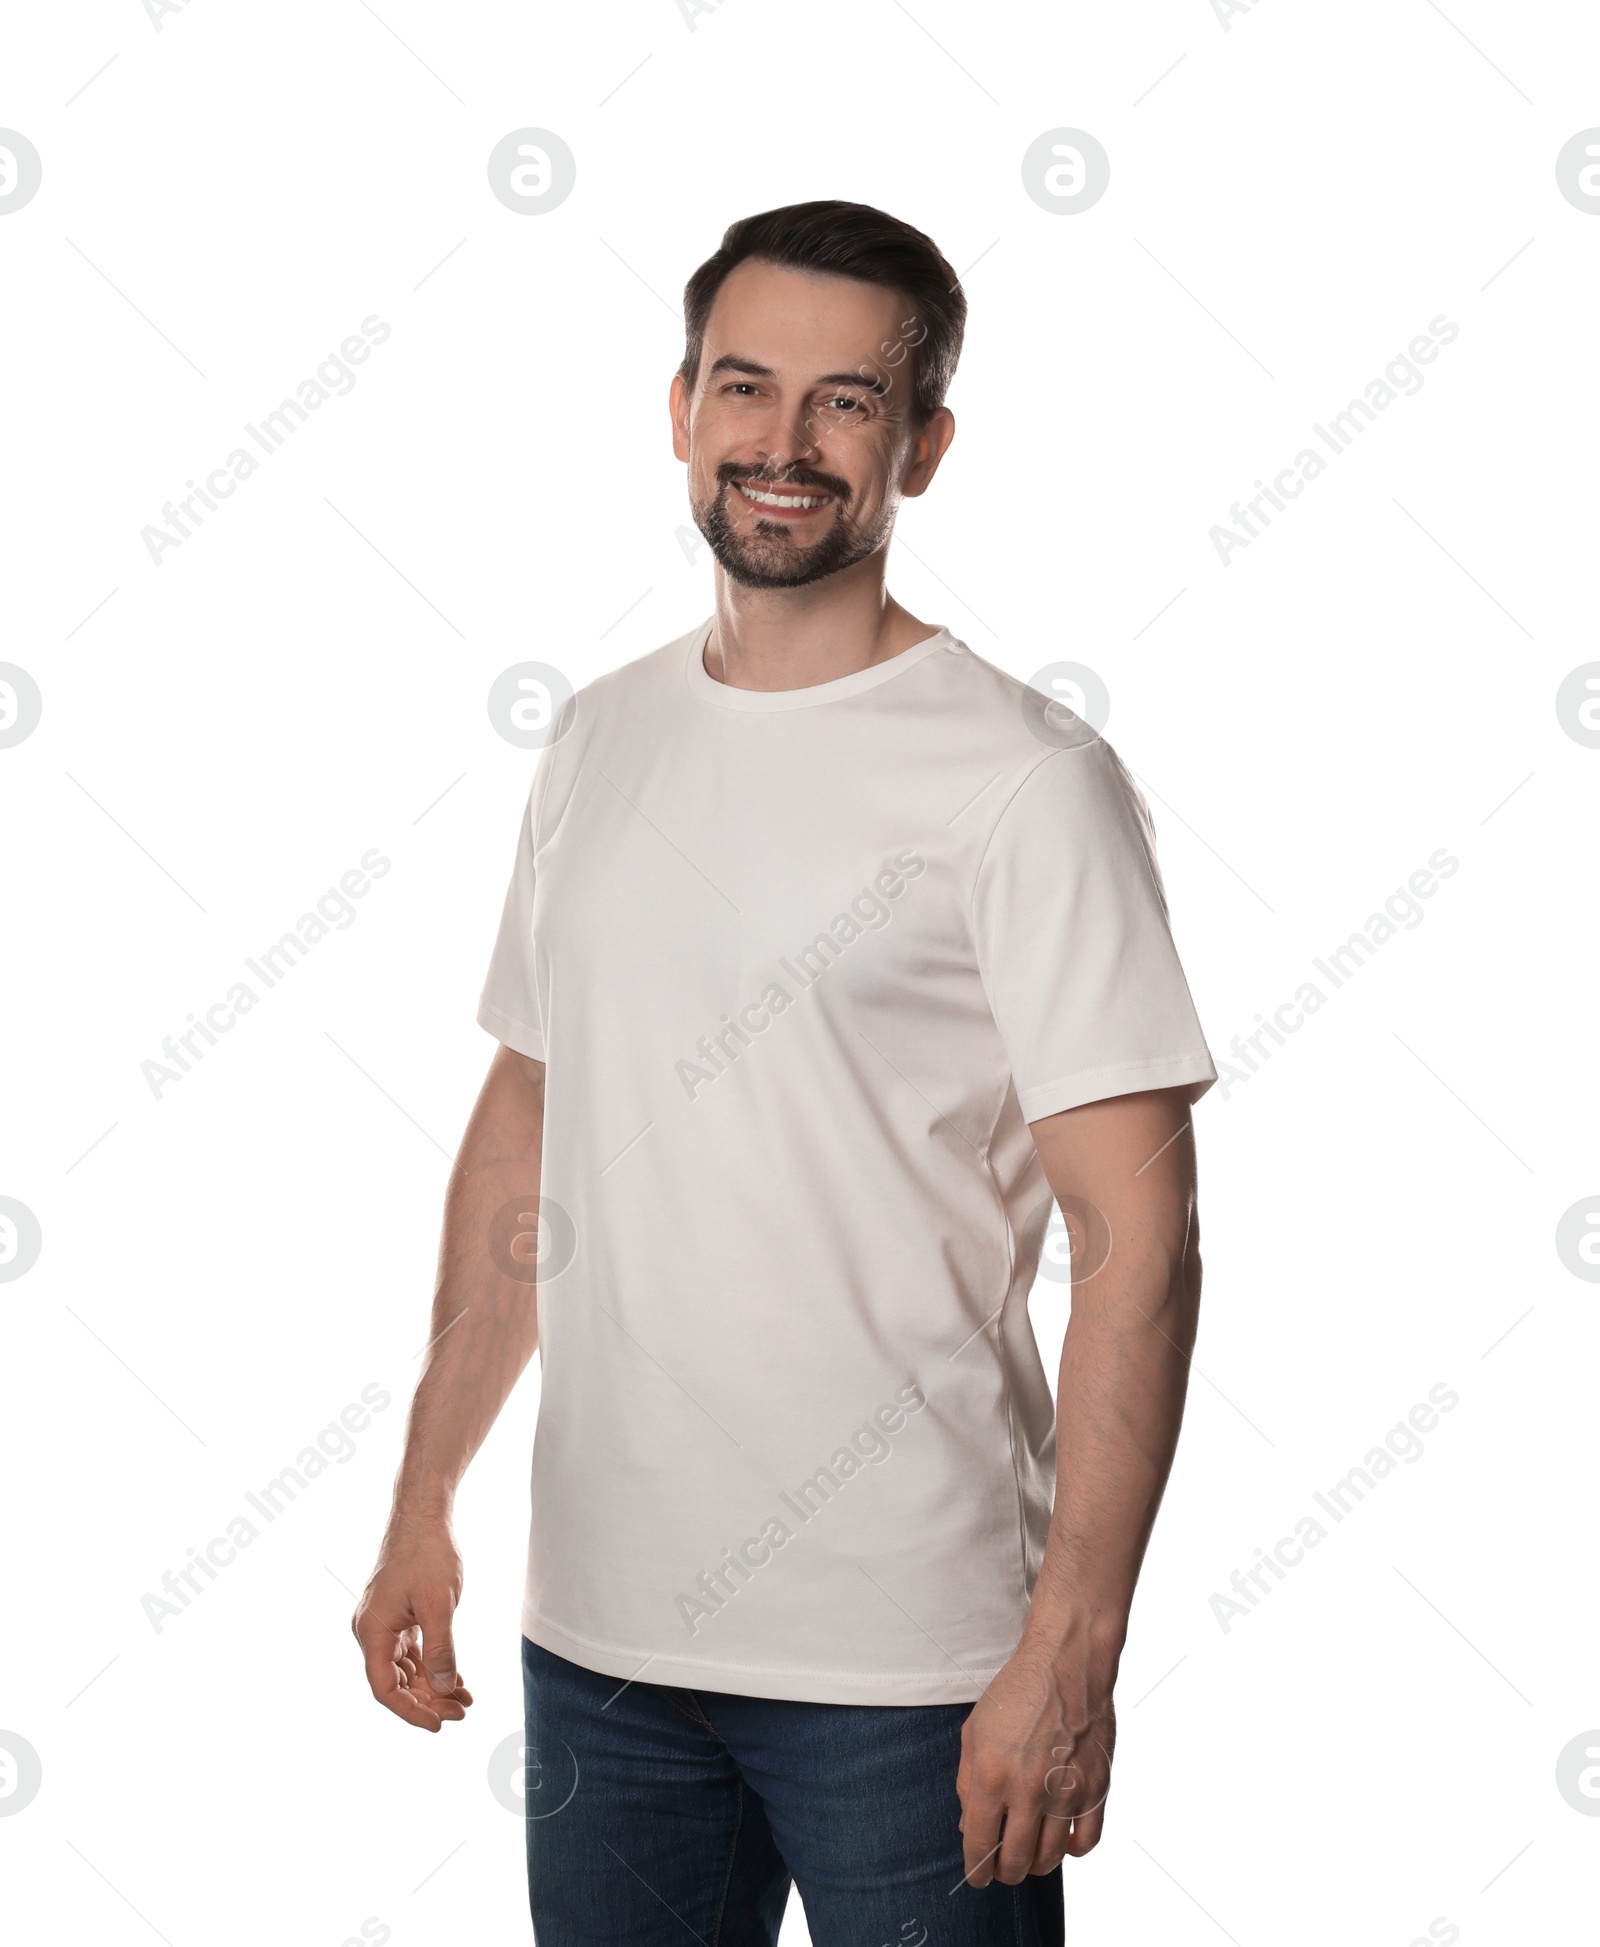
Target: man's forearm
{"type": "Point", "coordinates": [484, 1325]}
{"type": "Point", "coordinates": [1119, 1407]}
{"type": "Point", "coordinates": [1125, 1360]}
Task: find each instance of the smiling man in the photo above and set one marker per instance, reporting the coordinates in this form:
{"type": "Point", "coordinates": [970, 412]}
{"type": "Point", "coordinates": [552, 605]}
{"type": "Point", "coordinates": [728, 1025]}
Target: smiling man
{"type": "Point", "coordinates": [832, 956]}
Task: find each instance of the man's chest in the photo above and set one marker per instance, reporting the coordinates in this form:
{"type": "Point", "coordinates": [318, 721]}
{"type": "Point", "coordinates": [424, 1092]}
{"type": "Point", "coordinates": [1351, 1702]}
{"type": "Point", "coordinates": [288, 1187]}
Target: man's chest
{"type": "Point", "coordinates": [690, 878]}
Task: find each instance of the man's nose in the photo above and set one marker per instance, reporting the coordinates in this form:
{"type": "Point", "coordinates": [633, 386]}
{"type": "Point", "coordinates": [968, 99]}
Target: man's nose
{"type": "Point", "coordinates": [788, 438]}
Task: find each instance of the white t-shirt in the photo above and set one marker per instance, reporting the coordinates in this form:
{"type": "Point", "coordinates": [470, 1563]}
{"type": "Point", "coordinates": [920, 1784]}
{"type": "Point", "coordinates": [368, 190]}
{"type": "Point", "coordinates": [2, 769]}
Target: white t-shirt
{"type": "Point", "coordinates": [803, 966]}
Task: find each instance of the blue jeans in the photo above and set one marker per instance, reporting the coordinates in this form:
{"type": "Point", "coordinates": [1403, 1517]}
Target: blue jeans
{"type": "Point", "coordinates": [658, 1816]}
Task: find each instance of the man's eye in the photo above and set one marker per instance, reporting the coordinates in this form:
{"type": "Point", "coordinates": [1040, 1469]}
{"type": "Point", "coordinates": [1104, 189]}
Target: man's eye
{"type": "Point", "coordinates": [845, 403]}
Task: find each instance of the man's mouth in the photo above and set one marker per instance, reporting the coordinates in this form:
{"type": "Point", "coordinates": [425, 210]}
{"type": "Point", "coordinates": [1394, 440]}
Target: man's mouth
{"type": "Point", "coordinates": [785, 503]}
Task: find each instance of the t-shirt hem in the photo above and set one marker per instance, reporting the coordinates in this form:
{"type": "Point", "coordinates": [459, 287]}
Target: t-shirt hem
{"type": "Point", "coordinates": [762, 1680]}
{"type": "Point", "coordinates": [1121, 1078]}
{"type": "Point", "coordinates": [514, 1033]}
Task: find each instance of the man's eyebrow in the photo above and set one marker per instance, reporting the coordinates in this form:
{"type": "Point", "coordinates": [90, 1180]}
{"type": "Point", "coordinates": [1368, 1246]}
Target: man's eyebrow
{"type": "Point", "coordinates": [867, 384]}
{"type": "Point", "coordinates": [731, 362]}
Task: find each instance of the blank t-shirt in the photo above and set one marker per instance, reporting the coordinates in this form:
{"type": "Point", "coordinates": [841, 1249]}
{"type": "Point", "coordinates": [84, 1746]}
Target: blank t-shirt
{"type": "Point", "coordinates": [803, 966]}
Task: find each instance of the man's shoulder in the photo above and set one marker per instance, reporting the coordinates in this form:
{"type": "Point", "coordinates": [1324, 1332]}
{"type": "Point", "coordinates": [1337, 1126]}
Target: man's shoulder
{"type": "Point", "coordinates": [1018, 721]}
{"type": "Point", "coordinates": [655, 670]}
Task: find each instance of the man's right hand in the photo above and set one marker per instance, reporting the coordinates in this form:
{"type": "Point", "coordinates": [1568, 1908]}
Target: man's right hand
{"type": "Point", "coordinates": [403, 1623]}
{"type": "Point", "coordinates": [484, 1331]}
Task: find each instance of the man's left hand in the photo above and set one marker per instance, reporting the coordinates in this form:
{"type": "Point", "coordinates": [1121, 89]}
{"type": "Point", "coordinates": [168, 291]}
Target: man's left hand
{"type": "Point", "coordinates": [1035, 1768]}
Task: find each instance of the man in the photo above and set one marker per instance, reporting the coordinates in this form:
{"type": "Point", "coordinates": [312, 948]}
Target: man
{"type": "Point", "coordinates": [831, 954]}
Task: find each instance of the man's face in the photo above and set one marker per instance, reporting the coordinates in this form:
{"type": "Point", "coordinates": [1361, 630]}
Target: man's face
{"type": "Point", "coordinates": [799, 431]}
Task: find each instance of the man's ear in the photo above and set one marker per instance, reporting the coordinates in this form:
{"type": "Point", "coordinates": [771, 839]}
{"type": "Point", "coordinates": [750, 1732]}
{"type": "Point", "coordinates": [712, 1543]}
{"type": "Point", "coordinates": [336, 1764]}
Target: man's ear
{"type": "Point", "coordinates": [928, 448]}
{"type": "Point", "coordinates": [678, 406]}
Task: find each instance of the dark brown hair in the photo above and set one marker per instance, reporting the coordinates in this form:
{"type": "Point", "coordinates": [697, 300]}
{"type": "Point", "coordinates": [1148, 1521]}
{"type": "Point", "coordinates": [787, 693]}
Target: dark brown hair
{"type": "Point", "coordinates": [845, 240]}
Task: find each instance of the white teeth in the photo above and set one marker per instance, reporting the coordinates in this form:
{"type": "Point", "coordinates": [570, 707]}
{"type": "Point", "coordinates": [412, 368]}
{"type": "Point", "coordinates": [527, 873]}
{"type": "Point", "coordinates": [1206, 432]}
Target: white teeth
{"type": "Point", "coordinates": [781, 500]}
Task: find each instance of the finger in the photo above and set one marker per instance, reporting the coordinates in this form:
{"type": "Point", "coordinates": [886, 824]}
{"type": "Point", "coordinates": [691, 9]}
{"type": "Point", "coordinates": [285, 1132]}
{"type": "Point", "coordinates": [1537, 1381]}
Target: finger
{"type": "Point", "coordinates": [1072, 1801]}
{"type": "Point", "coordinates": [1055, 1829]}
{"type": "Point", "coordinates": [980, 1841]}
{"type": "Point", "coordinates": [448, 1705]}
{"type": "Point", "coordinates": [1015, 1859]}
{"type": "Point", "coordinates": [383, 1651]}
{"type": "Point", "coordinates": [1064, 1835]}
{"type": "Point", "coordinates": [389, 1685]}
{"type": "Point", "coordinates": [449, 1709]}
{"type": "Point", "coordinates": [451, 1704]}
{"type": "Point", "coordinates": [1055, 1840]}
{"type": "Point", "coordinates": [1086, 1832]}
{"type": "Point", "coordinates": [438, 1645]}
{"type": "Point", "coordinates": [410, 1708]}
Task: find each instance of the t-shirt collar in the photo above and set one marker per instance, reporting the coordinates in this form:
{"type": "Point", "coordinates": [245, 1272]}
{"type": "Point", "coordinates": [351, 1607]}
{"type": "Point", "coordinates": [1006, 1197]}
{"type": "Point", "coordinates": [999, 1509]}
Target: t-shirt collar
{"type": "Point", "coordinates": [706, 686]}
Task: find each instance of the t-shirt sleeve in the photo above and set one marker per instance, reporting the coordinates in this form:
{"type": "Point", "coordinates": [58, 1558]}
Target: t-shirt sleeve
{"type": "Point", "coordinates": [1073, 942]}
{"type": "Point", "coordinates": [509, 1004]}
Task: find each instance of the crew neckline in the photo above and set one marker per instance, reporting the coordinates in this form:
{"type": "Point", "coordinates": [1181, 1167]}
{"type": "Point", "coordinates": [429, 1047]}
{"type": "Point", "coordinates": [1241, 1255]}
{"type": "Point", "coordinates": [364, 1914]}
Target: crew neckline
{"type": "Point", "coordinates": [727, 697]}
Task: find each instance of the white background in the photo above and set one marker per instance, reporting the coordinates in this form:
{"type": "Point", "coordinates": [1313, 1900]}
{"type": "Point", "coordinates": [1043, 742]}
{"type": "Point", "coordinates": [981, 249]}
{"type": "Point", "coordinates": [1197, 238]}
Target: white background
{"type": "Point", "coordinates": [1374, 1745]}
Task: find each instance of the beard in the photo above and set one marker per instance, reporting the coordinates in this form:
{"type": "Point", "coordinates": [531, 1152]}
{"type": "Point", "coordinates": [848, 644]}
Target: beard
{"type": "Point", "coordinates": [766, 555]}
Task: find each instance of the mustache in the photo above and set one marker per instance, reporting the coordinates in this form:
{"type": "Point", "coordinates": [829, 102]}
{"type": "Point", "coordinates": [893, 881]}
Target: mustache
{"type": "Point", "coordinates": [801, 478]}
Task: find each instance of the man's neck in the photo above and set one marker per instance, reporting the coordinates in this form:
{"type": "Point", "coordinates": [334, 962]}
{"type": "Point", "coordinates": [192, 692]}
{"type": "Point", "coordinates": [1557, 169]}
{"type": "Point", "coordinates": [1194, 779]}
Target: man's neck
{"type": "Point", "coordinates": [792, 638]}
